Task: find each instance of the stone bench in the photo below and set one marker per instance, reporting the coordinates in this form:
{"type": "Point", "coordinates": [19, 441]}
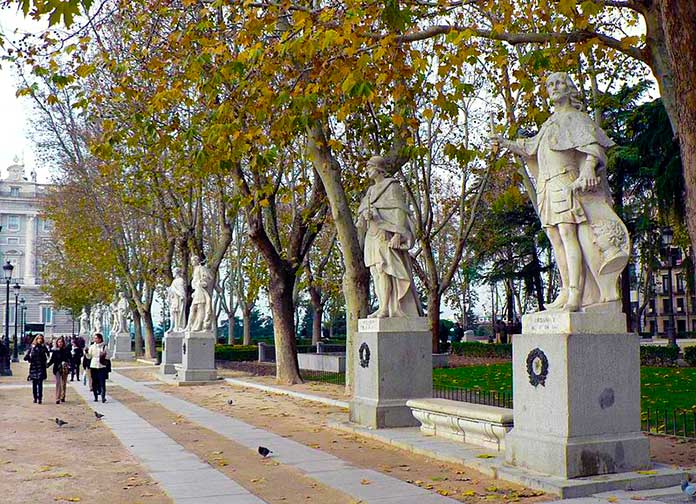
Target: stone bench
{"type": "Point", "coordinates": [466, 422]}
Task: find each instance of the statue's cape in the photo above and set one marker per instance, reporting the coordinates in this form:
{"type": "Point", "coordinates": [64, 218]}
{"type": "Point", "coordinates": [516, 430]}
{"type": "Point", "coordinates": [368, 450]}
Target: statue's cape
{"type": "Point", "coordinates": [388, 200]}
{"type": "Point", "coordinates": [178, 287]}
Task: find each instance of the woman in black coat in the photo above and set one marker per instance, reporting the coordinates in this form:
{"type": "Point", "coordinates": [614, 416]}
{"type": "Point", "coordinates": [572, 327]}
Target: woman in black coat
{"type": "Point", "coordinates": [37, 356]}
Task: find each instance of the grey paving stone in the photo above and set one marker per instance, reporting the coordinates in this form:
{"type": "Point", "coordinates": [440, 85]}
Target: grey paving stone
{"type": "Point", "coordinates": [336, 474]}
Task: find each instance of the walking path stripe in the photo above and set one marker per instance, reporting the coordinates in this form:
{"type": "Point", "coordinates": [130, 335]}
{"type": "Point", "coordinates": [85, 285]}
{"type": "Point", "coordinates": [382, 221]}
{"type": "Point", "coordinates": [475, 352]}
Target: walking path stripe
{"type": "Point", "coordinates": [185, 478]}
{"type": "Point", "coordinates": [316, 464]}
{"type": "Point", "coordinates": [291, 393]}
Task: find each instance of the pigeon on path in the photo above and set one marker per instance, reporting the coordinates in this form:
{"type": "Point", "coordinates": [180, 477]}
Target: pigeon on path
{"type": "Point", "coordinates": [230, 402]}
{"type": "Point", "coordinates": [60, 423]}
{"type": "Point", "coordinates": [264, 452]}
{"type": "Point", "coordinates": [689, 489]}
{"type": "Point", "coordinates": [98, 415]}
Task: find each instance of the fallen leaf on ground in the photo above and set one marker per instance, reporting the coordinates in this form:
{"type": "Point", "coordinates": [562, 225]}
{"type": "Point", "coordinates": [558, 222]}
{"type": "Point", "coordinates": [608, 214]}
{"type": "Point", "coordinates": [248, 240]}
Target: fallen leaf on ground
{"type": "Point", "coordinates": [365, 482]}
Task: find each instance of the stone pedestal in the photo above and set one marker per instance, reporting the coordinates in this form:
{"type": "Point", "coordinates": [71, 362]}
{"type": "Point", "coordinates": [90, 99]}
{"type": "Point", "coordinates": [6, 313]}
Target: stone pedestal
{"type": "Point", "coordinates": [197, 357]}
{"type": "Point", "coordinates": [393, 365]}
{"type": "Point", "coordinates": [171, 351]}
{"type": "Point", "coordinates": [122, 347]}
{"type": "Point", "coordinates": [576, 380]}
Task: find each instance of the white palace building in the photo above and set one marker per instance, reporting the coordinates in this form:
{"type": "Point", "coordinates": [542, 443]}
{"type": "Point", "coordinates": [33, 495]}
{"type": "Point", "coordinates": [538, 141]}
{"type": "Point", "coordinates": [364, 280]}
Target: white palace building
{"type": "Point", "coordinates": [23, 234]}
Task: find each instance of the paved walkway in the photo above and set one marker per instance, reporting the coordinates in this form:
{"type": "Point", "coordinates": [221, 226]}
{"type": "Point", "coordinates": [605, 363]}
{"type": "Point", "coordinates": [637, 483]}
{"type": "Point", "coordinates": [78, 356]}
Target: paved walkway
{"type": "Point", "coordinates": [323, 467]}
{"type": "Point", "coordinates": [180, 473]}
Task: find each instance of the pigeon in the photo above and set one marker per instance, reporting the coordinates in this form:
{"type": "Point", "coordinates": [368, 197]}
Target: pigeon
{"type": "Point", "coordinates": [60, 423]}
{"type": "Point", "coordinates": [264, 452]}
{"type": "Point", "coordinates": [230, 402]}
{"type": "Point", "coordinates": [98, 415]}
{"type": "Point", "coordinates": [688, 488]}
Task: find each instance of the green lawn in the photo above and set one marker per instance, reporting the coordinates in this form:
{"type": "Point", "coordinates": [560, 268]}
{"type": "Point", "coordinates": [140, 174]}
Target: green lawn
{"type": "Point", "coordinates": [670, 388]}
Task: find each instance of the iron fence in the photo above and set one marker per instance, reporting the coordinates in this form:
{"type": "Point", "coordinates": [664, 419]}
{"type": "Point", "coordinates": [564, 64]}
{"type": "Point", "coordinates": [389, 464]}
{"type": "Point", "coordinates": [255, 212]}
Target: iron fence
{"type": "Point", "coordinates": [475, 396]}
{"type": "Point", "coordinates": [677, 422]}
{"type": "Point", "coordinates": [323, 376]}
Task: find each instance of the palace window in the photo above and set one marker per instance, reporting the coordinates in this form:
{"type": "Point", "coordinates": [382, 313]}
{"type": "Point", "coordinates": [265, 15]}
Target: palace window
{"type": "Point", "coordinates": [14, 192]}
{"type": "Point", "coordinates": [13, 222]}
{"type": "Point", "coordinates": [46, 315]}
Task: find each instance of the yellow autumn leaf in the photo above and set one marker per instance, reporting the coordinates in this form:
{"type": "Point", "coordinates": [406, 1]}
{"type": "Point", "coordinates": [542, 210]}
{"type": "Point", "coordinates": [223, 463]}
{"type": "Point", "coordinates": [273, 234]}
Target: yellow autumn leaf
{"type": "Point", "coordinates": [485, 456]}
{"type": "Point", "coordinates": [647, 472]}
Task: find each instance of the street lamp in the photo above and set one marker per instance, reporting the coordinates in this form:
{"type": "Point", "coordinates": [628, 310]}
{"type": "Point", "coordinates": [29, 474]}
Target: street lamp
{"type": "Point", "coordinates": [22, 314]}
{"type": "Point", "coordinates": [16, 288]}
{"type": "Point", "coordinates": [667, 237]}
{"type": "Point", "coordinates": [5, 364]}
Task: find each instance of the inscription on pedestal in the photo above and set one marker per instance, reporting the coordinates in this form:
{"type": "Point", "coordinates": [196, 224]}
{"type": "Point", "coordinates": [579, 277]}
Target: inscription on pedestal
{"type": "Point", "coordinates": [367, 325]}
{"type": "Point", "coordinates": [542, 323]}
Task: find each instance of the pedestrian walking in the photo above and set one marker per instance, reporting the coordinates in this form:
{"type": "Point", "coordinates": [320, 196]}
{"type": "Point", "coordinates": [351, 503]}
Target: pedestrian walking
{"type": "Point", "coordinates": [77, 351]}
{"type": "Point", "coordinates": [60, 359]}
{"type": "Point", "coordinates": [37, 356]}
{"type": "Point", "coordinates": [99, 366]}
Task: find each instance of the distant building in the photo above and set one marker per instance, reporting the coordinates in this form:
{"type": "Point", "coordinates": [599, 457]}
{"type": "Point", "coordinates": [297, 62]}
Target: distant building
{"type": "Point", "coordinates": [23, 234]}
{"type": "Point", "coordinates": [659, 309]}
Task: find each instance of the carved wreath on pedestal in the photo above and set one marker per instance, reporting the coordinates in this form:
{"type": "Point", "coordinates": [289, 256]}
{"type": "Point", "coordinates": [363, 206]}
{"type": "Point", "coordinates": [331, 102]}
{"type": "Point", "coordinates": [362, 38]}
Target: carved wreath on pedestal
{"type": "Point", "coordinates": [364, 354]}
{"type": "Point", "coordinates": [537, 367]}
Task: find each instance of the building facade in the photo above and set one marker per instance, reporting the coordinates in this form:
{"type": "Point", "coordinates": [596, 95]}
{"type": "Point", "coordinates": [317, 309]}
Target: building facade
{"type": "Point", "coordinates": [24, 233]}
{"type": "Point", "coordinates": [680, 303]}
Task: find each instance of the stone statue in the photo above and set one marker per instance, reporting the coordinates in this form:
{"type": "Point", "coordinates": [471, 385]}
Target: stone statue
{"type": "Point", "coordinates": [122, 310]}
{"type": "Point", "coordinates": [201, 314]}
{"type": "Point", "coordinates": [114, 315]}
{"type": "Point", "coordinates": [176, 297]}
{"type": "Point", "coordinates": [567, 160]}
{"type": "Point", "coordinates": [84, 323]}
{"type": "Point", "coordinates": [96, 318]}
{"type": "Point", "coordinates": [388, 226]}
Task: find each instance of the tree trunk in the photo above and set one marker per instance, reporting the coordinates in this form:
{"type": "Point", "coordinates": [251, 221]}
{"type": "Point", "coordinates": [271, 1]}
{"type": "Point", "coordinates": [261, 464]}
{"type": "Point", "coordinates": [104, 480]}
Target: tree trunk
{"type": "Point", "coordinates": [281, 293]}
{"type": "Point", "coordinates": [316, 324]}
{"type": "Point", "coordinates": [230, 329]}
{"type": "Point", "coordinates": [246, 322]}
{"type": "Point", "coordinates": [356, 279]}
{"type": "Point", "coordinates": [434, 318]}
{"type": "Point", "coordinates": [138, 329]}
{"type": "Point", "coordinates": [680, 34]}
{"type": "Point", "coordinates": [149, 334]}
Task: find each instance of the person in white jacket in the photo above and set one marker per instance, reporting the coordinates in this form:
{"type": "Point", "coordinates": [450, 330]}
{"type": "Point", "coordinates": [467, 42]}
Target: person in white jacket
{"type": "Point", "coordinates": [97, 354]}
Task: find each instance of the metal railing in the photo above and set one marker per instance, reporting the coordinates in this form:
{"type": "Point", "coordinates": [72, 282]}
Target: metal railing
{"type": "Point", "coordinates": [475, 396]}
{"type": "Point", "coordinates": [672, 422]}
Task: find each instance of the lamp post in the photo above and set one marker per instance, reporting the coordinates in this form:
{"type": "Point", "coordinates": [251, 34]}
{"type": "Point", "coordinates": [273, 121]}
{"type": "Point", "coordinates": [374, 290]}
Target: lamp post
{"type": "Point", "coordinates": [5, 364]}
{"type": "Point", "coordinates": [667, 237]}
{"type": "Point", "coordinates": [22, 315]}
{"type": "Point", "coordinates": [16, 288]}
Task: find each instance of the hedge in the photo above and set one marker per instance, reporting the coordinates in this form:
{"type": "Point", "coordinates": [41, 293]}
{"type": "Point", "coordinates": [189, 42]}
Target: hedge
{"type": "Point", "coordinates": [236, 352]}
{"type": "Point", "coordinates": [477, 349]}
{"type": "Point", "coordinates": [665, 356]}
{"type": "Point", "coordinates": [690, 355]}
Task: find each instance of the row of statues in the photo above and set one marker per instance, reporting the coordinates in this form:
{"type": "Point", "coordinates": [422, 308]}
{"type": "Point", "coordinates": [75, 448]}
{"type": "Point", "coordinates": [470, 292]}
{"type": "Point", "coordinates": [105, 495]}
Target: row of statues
{"type": "Point", "coordinates": [100, 315]}
{"type": "Point", "coordinates": [567, 161]}
{"type": "Point", "coordinates": [200, 314]}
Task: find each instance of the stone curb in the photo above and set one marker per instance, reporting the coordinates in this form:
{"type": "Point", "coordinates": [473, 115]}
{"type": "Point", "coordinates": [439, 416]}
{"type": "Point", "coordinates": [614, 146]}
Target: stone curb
{"type": "Point", "coordinates": [282, 391]}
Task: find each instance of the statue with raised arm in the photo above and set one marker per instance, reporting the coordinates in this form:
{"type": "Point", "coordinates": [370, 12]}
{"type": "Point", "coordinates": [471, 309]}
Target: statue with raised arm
{"type": "Point", "coordinates": [176, 297]}
{"type": "Point", "coordinates": [567, 160]}
{"type": "Point", "coordinates": [113, 314]}
{"type": "Point", "coordinates": [201, 313]}
{"type": "Point", "coordinates": [388, 227]}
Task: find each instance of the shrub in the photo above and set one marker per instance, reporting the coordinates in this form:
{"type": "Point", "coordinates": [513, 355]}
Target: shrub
{"type": "Point", "coordinates": [690, 355]}
{"type": "Point", "coordinates": [664, 356]}
{"type": "Point", "coordinates": [236, 353]}
{"type": "Point", "coordinates": [477, 349]}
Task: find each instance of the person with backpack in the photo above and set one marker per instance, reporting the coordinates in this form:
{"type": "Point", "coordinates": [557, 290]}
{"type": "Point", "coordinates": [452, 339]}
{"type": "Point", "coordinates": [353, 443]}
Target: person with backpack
{"type": "Point", "coordinates": [37, 356]}
{"type": "Point", "coordinates": [60, 358]}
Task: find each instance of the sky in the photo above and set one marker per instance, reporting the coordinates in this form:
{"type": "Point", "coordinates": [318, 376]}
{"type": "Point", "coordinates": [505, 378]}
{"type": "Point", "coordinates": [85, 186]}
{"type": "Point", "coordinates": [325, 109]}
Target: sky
{"type": "Point", "coordinates": [15, 112]}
